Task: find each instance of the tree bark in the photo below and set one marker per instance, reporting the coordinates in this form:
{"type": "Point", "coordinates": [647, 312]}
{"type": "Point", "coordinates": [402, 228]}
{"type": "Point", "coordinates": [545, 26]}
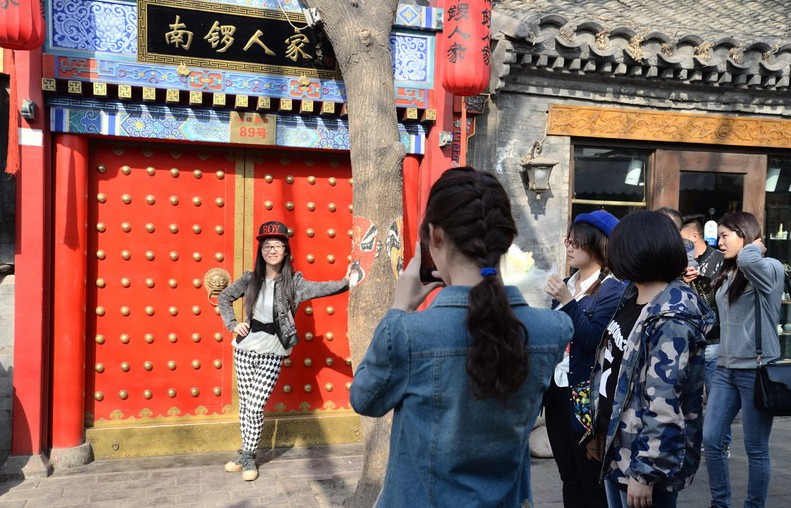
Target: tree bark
{"type": "Point", "coordinates": [359, 31]}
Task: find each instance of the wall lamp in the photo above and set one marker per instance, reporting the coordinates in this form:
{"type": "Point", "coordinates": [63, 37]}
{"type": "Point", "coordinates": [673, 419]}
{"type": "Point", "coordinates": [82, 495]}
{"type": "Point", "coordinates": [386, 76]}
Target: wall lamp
{"type": "Point", "coordinates": [537, 169]}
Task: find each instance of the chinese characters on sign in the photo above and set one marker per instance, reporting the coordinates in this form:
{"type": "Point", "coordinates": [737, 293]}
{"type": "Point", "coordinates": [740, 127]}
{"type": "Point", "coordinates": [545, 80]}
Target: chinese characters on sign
{"type": "Point", "coordinates": [461, 27]}
{"type": "Point", "coordinates": [242, 38]}
{"type": "Point", "coordinates": [253, 128]}
{"type": "Point", "coordinates": [467, 46]}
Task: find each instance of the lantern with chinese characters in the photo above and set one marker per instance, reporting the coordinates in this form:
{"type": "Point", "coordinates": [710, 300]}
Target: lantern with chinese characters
{"type": "Point", "coordinates": [467, 49]}
{"type": "Point", "coordinates": [21, 24]}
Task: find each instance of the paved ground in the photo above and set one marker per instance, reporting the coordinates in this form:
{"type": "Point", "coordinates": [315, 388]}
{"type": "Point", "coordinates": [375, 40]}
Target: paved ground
{"type": "Point", "coordinates": [318, 477]}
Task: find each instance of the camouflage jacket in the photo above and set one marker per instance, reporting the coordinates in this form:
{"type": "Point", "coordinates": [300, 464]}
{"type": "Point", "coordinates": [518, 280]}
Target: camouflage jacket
{"type": "Point", "coordinates": [656, 427]}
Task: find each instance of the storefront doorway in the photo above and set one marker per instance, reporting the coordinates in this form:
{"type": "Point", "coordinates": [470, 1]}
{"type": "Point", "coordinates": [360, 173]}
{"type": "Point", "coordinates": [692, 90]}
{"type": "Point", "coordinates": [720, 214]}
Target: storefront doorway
{"type": "Point", "coordinates": [709, 183]}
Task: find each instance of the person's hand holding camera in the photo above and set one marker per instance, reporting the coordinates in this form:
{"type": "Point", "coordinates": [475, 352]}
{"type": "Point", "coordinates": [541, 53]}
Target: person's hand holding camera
{"type": "Point", "coordinates": [409, 291]}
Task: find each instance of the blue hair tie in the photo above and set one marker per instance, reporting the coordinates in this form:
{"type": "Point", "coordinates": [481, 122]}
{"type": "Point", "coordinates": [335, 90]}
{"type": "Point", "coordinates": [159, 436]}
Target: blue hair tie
{"type": "Point", "coordinates": [487, 271]}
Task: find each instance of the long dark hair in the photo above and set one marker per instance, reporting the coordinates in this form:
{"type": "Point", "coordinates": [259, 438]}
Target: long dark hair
{"type": "Point", "coordinates": [474, 211]}
{"type": "Point", "coordinates": [746, 227]}
{"type": "Point", "coordinates": [594, 242]}
{"type": "Point", "coordinates": [285, 282]}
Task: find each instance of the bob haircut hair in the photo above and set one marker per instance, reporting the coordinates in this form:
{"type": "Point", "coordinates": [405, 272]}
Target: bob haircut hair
{"type": "Point", "coordinates": [646, 247]}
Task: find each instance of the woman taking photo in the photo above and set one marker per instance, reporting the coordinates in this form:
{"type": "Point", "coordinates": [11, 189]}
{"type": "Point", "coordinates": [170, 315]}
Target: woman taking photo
{"type": "Point", "coordinates": [272, 293]}
{"type": "Point", "coordinates": [589, 298]}
{"type": "Point", "coordinates": [746, 276]}
{"type": "Point", "coordinates": [648, 378]}
{"type": "Point", "coordinates": [463, 375]}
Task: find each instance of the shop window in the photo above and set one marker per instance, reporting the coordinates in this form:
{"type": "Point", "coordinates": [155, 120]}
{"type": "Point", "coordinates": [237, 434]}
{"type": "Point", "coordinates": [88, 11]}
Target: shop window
{"type": "Point", "coordinates": [710, 194]}
{"type": "Point", "coordinates": [778, 208]}
{"type": "Point", "coordinates": [778, 240]}
{"type": "Point", "coordinates": [613, 179]}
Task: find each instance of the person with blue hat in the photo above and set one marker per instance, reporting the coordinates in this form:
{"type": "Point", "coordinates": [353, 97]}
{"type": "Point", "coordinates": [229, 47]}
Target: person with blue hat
{"type": "Point", "coordinates": [589, 297]}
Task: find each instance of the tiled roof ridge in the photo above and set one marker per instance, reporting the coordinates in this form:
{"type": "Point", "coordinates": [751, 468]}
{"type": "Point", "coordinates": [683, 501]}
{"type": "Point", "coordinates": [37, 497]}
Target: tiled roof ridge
{"type": "Point", "coordinates": [706, 18]}
{"type": "Point", "coordinates": [554, 42]}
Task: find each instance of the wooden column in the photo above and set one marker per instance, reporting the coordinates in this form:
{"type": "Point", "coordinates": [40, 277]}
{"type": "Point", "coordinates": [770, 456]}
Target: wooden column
{"type": "Point", "coordinates": [32, 267]}
{"type": "Point", "coordinates": [69, 290]}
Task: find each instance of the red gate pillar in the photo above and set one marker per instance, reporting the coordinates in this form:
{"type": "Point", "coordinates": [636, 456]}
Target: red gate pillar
{"type": "Point", "coordinates": [32, 268]}
{"type": "Point", "coordinates": [412, 211]}
{"type": "Point", "coordinates": [70, 234]}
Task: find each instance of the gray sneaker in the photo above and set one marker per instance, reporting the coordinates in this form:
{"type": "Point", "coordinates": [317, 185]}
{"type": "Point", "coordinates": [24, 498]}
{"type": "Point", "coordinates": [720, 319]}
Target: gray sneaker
{"type": "Point", "coordinates": [250, 470]}
{"type": "Point", "coordinates": [237, 465]}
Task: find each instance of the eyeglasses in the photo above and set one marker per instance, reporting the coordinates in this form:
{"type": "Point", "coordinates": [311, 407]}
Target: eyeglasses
{"type": "Point", "coordinates": [572, 243]}
{"type": "Point", "coordinates": [276, 248]}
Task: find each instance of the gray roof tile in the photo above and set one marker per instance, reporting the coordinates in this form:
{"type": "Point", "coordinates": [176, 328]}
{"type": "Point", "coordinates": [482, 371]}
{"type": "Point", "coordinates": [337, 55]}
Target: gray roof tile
{"type": "Point", "coordinates": [745, 20]}
{"type": "Point", "coordinates": [720, 43]}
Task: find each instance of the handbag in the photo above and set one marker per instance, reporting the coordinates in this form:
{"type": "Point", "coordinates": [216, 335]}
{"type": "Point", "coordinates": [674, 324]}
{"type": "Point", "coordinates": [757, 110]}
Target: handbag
{"type": "Point", "coordinates": [772, 392]}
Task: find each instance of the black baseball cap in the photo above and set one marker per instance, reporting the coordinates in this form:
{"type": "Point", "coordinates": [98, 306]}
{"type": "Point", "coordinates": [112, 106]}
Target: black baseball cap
{"type": "Point", "coordinates": [272, 229]}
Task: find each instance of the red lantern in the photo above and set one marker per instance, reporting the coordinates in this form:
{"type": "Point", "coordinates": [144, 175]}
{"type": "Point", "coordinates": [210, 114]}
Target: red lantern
{"type": "Point", "coordinates": [467, 46]}
{"type": "Point", "coordinates": [21, 24]}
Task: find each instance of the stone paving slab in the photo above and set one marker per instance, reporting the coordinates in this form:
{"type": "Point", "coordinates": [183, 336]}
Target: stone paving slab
{"type": "Point", "coordinates": [316, 477]}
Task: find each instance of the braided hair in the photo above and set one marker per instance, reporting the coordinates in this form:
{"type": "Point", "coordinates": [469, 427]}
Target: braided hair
{"type": "Point", "coordinates": [474, 211]}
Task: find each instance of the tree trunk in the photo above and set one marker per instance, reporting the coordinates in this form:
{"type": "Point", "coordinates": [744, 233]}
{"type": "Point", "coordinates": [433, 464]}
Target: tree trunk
{"type": "Point", "coordinates": [359, 31]}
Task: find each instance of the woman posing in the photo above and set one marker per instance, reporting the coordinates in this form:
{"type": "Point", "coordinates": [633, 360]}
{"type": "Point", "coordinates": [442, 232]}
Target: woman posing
{"type": "Point", "coordinates": [462, 376]}
{"type": "Point", "coordinates": [589, 297]}
{"type": "Point", "coordinates": [648, 379]}
{"type": "Point", "coordinates": [272, 293]}
{"type": "Point", "coordinates": [745, 276]}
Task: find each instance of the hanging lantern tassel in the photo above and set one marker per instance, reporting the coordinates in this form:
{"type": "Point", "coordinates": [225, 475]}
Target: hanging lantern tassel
{"type": "Point", "coordinates": [12, 160]}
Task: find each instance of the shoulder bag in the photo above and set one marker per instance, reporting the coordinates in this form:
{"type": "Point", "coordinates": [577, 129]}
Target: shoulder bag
{"type": "Point", "coordinates": [773, 379]}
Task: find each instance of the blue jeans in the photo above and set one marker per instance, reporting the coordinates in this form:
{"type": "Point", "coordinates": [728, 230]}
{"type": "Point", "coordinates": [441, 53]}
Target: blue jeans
{"type": "Point", "coordinates": [731, 391]}
{"type": "Point", "coordinates": [616, 498]}
{"type": "Point", "coordinates": [711, 354]}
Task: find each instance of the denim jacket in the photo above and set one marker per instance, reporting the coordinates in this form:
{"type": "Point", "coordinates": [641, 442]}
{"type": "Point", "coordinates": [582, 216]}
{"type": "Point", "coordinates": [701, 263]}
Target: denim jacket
{"type": "Point", "coordinates": [448, 448]}
{"type": "Point", "coordinates": [656, 427]}
{"type": "Point", "coordinates": [284, 315]}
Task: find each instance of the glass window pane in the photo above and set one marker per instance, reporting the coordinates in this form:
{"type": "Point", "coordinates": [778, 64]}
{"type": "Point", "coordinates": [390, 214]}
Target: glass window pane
{"type": "Point", "coordinates": [610, 174]}
{"type": "Point", "coordinates": [710, 194]}
{"type": "Point", "coordinates": [778, 211]}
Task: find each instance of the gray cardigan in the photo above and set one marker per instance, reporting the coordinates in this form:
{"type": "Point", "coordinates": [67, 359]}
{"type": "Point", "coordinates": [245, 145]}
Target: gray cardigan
{"type": "Point", "coordinates": [284, 315]}
{"type": "Point", "coordinates": [737, 319]}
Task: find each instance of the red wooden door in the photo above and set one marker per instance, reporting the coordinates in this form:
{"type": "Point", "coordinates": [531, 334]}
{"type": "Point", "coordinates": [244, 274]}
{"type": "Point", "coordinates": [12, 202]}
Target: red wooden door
{"type": "Point", "coordinates": [312, 194]}
{"type": "Point", "coordinates": [160, 217]}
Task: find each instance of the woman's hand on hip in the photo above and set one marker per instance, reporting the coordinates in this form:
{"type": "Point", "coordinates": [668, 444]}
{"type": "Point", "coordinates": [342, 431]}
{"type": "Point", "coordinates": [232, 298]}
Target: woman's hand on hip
{"type": "Point", "coordinates": [409, 291]}
{"type": "Point", "coordinates": [241, 329]}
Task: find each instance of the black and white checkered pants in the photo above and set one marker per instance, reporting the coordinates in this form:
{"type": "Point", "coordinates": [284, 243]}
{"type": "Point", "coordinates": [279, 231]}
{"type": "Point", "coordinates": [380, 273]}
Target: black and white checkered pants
{"type": "Point", "coordinates": [256, 376]}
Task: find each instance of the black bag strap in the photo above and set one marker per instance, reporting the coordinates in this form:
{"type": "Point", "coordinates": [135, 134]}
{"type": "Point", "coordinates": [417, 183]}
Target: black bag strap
{"type": "Point", "coordinates": [758, 335]}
